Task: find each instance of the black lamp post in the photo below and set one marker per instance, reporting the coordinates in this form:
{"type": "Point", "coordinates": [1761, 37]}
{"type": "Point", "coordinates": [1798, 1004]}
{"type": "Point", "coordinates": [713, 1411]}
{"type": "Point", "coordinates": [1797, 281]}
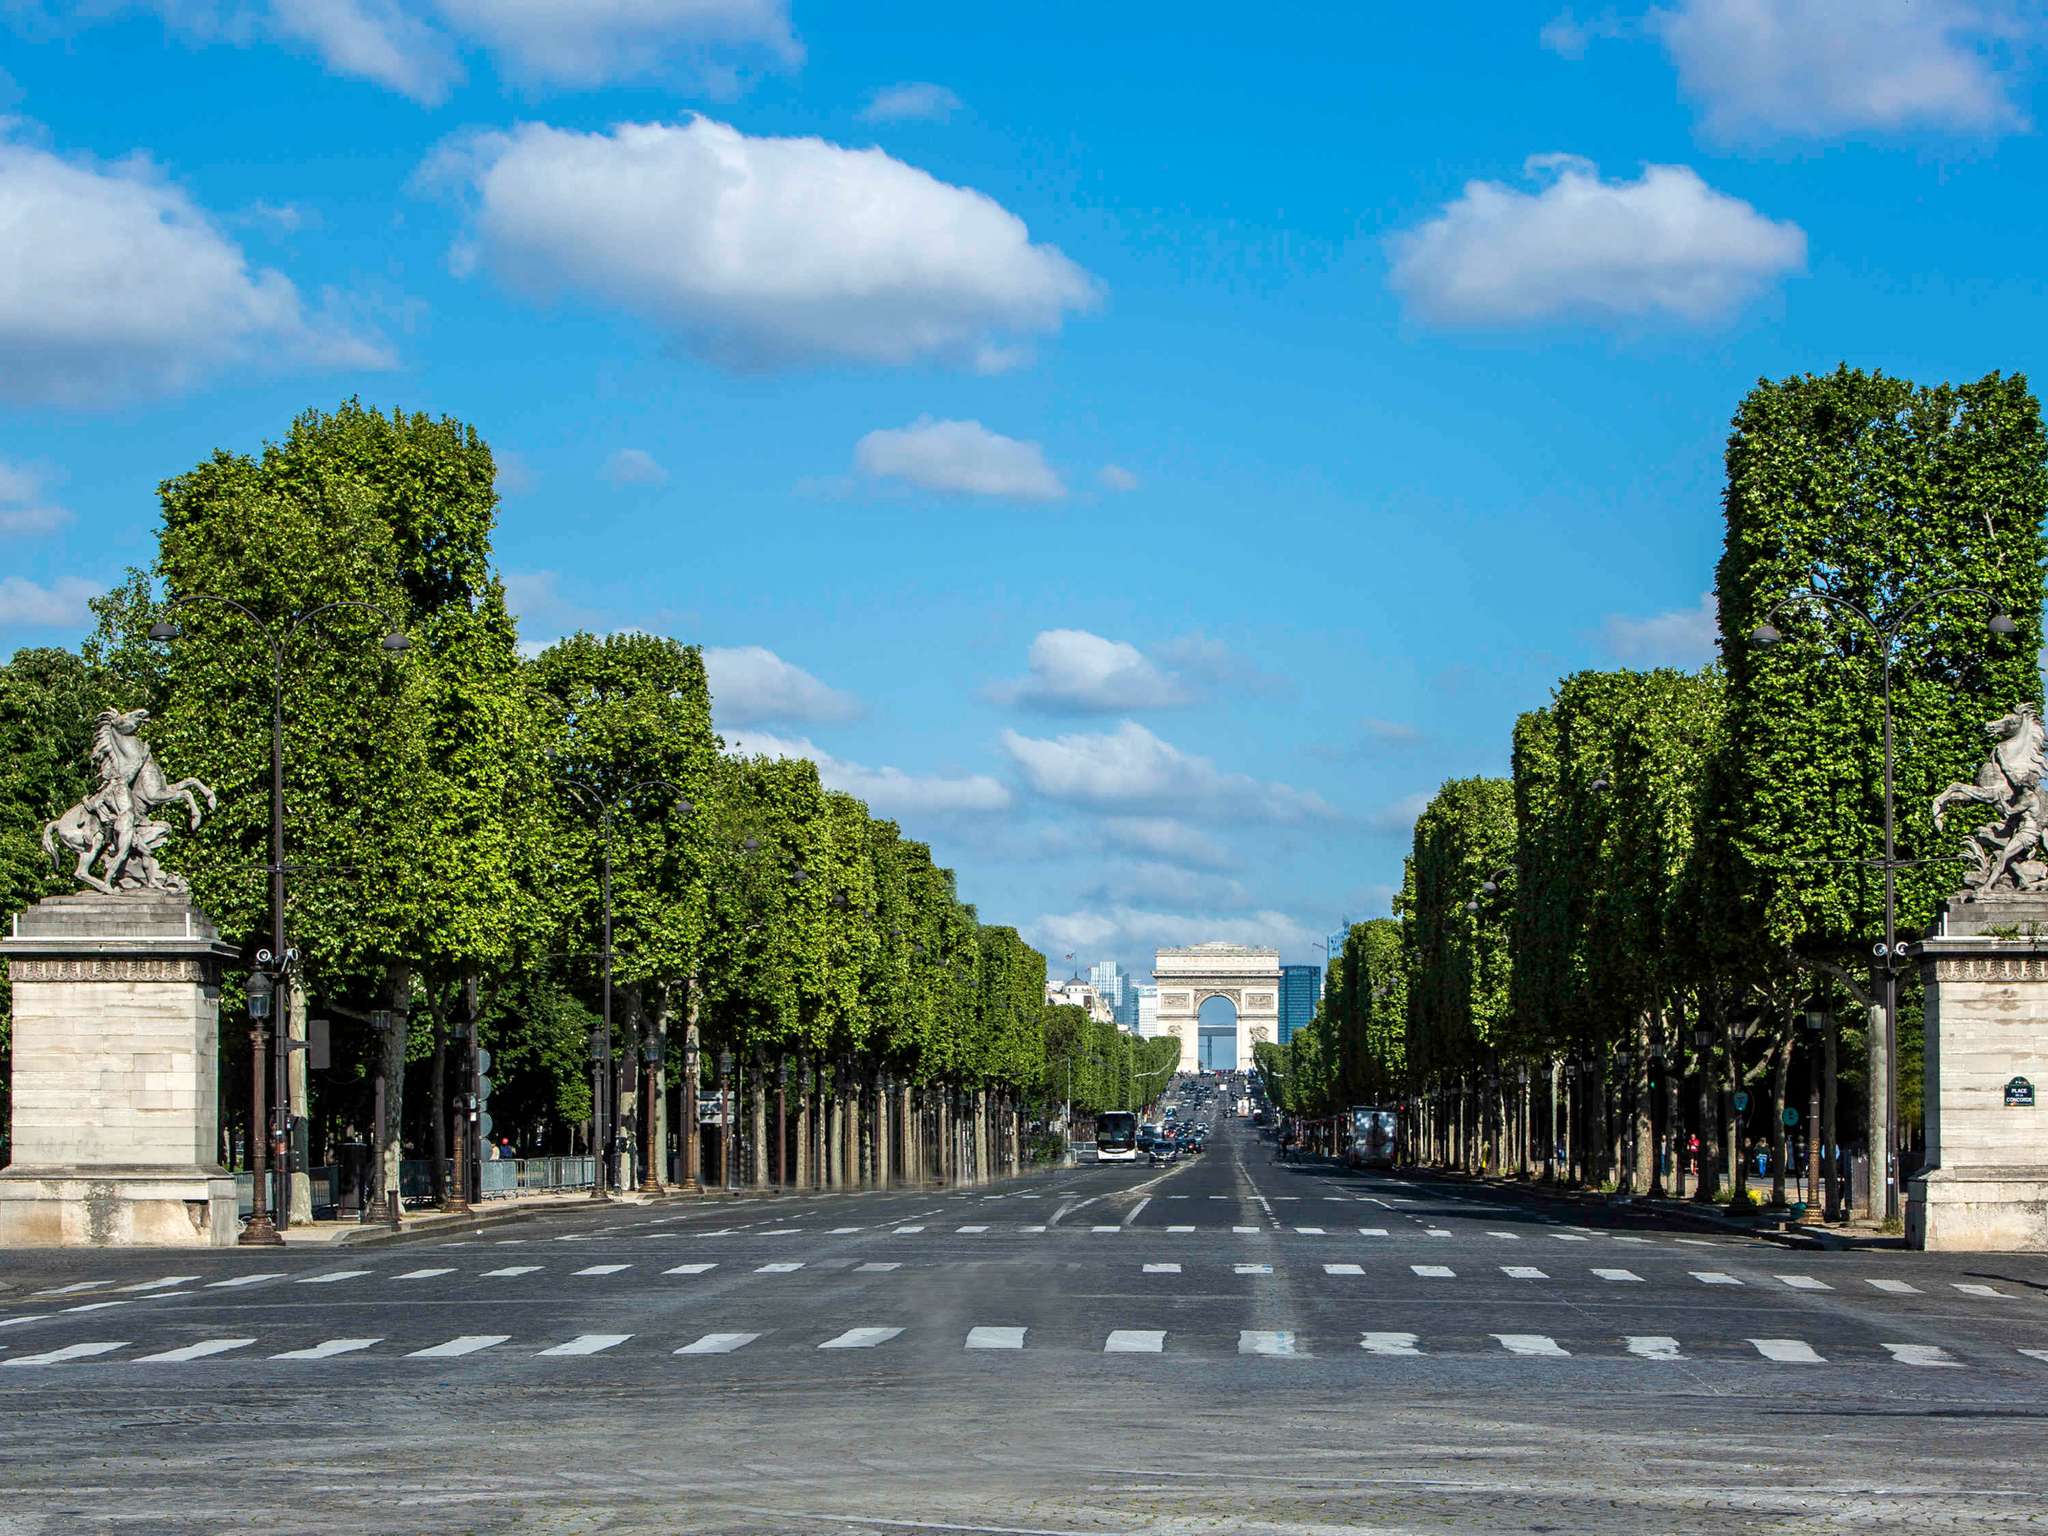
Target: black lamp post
{"type": "Point", "coordinates": [1707, 1176]}
{"type": "Point", "coordinates": [1890, 953]}
{"type": "Point", "coordinates": [782, 1122]}
{"type": "Point", "coordinates": [693, 1132]}
{"type": "Point", "coordinates": [259, 1229]}
{"type": "Point", "coordinates": [725, 1119]}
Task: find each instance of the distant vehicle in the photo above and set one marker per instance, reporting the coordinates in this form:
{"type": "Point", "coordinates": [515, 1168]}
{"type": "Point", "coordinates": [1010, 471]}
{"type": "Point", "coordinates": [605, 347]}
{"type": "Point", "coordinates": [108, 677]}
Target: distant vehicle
{"type": "Point", "coordinates": [1162, 1152]}
{"type": "Point", "coordinates": [1116, 1137]}
{"type": "Point", "coordinates": [1375, 1136]}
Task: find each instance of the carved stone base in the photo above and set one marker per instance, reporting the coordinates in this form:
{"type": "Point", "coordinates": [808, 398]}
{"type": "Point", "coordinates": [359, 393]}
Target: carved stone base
{"type": "Point", "coordinates": [1980, 1212]}
{"type": "Point", "coordinates": [117, 1208]}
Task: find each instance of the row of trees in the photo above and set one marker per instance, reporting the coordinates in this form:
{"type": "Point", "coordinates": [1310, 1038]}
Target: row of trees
{"type": "Point", "coordinates": [1592, 956]}
{"type": "Point", "coordinates": [451, 811]}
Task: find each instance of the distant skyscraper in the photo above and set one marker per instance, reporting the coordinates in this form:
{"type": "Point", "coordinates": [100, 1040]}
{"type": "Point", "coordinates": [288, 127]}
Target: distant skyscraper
{"type": "Point", "coordinates": [1108, 979]}
{"type": "Point", "coordinates": [1144, 996]}
{"type": "Point", "coordinates": [1301, 988]}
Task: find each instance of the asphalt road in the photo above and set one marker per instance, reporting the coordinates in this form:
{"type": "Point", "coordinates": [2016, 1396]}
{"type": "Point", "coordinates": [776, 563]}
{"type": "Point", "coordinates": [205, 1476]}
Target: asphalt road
{"type": "Point", "coordinates": [1228, 1345]}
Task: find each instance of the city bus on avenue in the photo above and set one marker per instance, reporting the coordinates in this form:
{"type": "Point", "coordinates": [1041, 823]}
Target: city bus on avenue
{"type": "Point", "coordinates": [1116, 1137]}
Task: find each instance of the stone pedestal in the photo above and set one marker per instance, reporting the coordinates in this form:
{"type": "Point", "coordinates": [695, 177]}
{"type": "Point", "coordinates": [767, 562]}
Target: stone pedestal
{"type": "Point", "coordinates": [116, 1132]}
{"type": "Point", "coordinates": [1985, 1186]}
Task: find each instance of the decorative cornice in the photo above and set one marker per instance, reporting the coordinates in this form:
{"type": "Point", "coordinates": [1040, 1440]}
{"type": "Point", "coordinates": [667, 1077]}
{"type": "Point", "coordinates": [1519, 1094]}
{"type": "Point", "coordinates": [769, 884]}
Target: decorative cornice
{"type": "Point", "coordinates": [22, 968]}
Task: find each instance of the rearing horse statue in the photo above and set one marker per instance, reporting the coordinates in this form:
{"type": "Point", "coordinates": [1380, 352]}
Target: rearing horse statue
{"type": "Point", "coordinates": [112, 823]}
{"type": "Point", "coordinates": [2010, 782]}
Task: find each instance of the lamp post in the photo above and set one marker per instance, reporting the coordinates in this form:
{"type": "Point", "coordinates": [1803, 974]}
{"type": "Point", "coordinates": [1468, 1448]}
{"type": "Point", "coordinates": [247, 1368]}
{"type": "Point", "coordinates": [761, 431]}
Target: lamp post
{"type": "Point", "coordinates": [693, 1133]}
{"type": "Point", "coordinates": [259, 1229]}
{"type": "Point", "coordinates": [1884, 1052]}
{"type": "Point", "coordinates": [1707, 1179]}
{"type": "Point", "coordinates": [651, 1150]}
{"type": "Point", "coordinates": [277, 635]}
{"type": "Point", "coordinates": [725, 1119]}
{"type": "Point", "coordinates": [782, 1122]}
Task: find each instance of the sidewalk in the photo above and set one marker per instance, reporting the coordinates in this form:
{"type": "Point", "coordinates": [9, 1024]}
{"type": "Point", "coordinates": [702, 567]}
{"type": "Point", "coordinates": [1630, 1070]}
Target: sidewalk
{"type": "Point", "coordinates": [420, 1225]}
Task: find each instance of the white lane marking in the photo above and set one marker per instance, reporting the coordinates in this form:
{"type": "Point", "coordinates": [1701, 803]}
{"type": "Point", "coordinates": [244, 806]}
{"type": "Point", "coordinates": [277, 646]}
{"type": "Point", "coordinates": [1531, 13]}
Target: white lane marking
{"type": "Point", "coordinates": [1895, 1287]}
{"type": "Point", "coordinates": [1106, 1229]}
{"type": "Point", "coordinates": [1311, 1231]}
{"type": "Point", "coordinates": [1247, 1229]}
{"type": "Point", "coordinates": [157, 1285]}
{"type": "Point", "coordinates": [1654, 1347]}
{"type": "Point", "coordinates": [1343, 1269]}
{"type": "Point", "coordinates": [587, 1344]}
{"type": "Point", "coordinates": [1137, 1208]}
{"type": "Point", "coordinates": [338, 1275]}
{"type": "Point", "coordinates": [422, 1274]}
{"type": "Point", "coordinates": [1714, 1277]}
{"type": "Point", "coordinates": [1618, 1274]}
{"type": "Point", "coordinates": [842, 1231]}
{"type": "Point", "coordinates": [101, 1306]}
{"type": "Point", "coordinates": [516, 1269]}
{"type": "Point", "coordinates": [1568, 1237]}
{"type": "Point", "coordinates": [1787, 1351]}
{"type": "Point", "coordinates": [1434, 1271]}
{"type": "Point", "coordinates": [1513, 1237]}
{"type": "Point", "coordinates": [1252, 1269]}
{"type": "Point", "coordinates": [68, 1352]}
{"type": "Point", "coordinates": [718, 1344]}
{"type": "Point", "coordinates": [1219, 1197]}
{"type": "Point", "coordinates": [690, 1269]}
{"type": "Point", "coordinates": [1121, 1341]}
{"type": "Point", "coordinates": [1804, 1283]}
{"type": "Point", "coordinates": [1030, 1229]}
{"type": "Point", "coordinates": [1436, 1232]}
{"type": "Point", "coordinates": [874, 1269]}
{"type": "Point", "coordinates": [1372, 1231]}
{"type": "Point", "coordinates": [2035, 1354]}
{"type": "Point", "coordinates": [26, 1317]}
{"type": "Point", "coordinates": [1254, 1341]}
{"type": "Point", "coordinates": [780, 1267]}
{"type": "Point", "coordinates": [1523, 1272]}
{"type": "Point", "coordinates": [1389, 1344]}
{"type": "Point", "coordinates": [906, 1231]}
{"type": "Point", "coordinates": [73, 1290]}
{"type": "Point", "coordinates": [216, 1285]}
{"type": "Point", "coordinates": [1162, 1269]}
{"type": "Point", "coordinates": [1180, 1229]}
{"type": "Point", "coordinates": [603, 1269]}
{"type": "Point", "coordinates": [1532, 1344]}
{"type": "Point", "coordinates": [861, 1338]}
{"type": "Point", "coordinates": [995, 1338]}
{"type": "Point", "coordinates": [327, 1349]}
{"type": "Point", "coordinates": [974, 1229]}
{"type": "Point", "coordinates": [197, 1351]}
{"type": "Point", "coordinates": [1969, 1288]}
{"type": "Point", "coordinates": [1922, 1354]}
{"type": "Point", "coordinates": [780, 1232]}
{"type": "Point", "coordinates": [1697, 1242]}
{"type": "Point", "coordinates": [467, 1344]}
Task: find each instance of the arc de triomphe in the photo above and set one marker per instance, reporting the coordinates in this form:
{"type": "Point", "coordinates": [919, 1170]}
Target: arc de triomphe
{"type": "Point", "coordinates": [1247, 976]}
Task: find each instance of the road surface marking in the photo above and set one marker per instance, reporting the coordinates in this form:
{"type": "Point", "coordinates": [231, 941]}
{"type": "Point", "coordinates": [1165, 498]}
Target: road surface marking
{"type": "Point", "coordinates": [780, 1267]}
{"type": "Point", "coordinates": [1253, 1341]}
{"type": "Point", "coordinates": [1921, 1354]}
{"type": "Point", "coordinates": [157, 1285]}
{"type": "Point", "coordinates": [875, 1268]}
{"type": "Point", "coordinates": [1970, 1289]}
{"type": "Point", "coordinates": [1343, 1269]}
{"type": "Point", "coordinates": [1568, 1237]}
{"type": "Point", "coordinates": [1787, 1351]}
{"type": "Point", "coordinates": [690, 1269]}
{"type": "Point", "coordinates": [1895, 1287]}
{"type": "Point", "coordinates": [1714, 1277]}
{"type": "Point", "coordinates": [1436, 1232]}
{"type": "Point", "coordinates": [1389, 1344]}
{"type": "Point", "coordinates": [1654, 1347]}
{"type": "Point", "coordinates": [2035, 1354]}
{"type": "Point", "coordinates": [1121, 1341]}
{"type": "Point", "coordinates": [1030, 1229]}
{"type": "Point", "coordinates": [842, 1231]}
{"type": "Point", "coordinates": [906, 1231]}
{"type": "Point", "coordinates": [861, 1338]}
{"type": "Point", "coordinates": [1621, 1239]}
{"type": "Point", "coordinates": [327, 1349]}
{"type": "Point", "coordinates": [780, 1232]}
{"type": "Point", "coordinates": [197, 1351]}
{"type": "Point", "coordinates": [1106, 1229]}
{"type": "Point", "coordinates": [1804, 1283]}
{"type": "Point", "coordinates": [1434, 1271]}
{"type": "Point", "coordinates": [1137, 1208]}
{"type": "Point", "coordinates": [467, 1344]}
{"type": "Point", "coordinates": [1162, 1269]}
{"type": "Point", "coordinates": [215, 1285]}
{"type": "Point", "coordinates": [995, 1338]}
{"type": "Point", "coordinates": [1311, 1231]}
{"type": "Point", "coordinates": [1513, 1237]}
{"type": "Point", "coordinates": [1372, 1231]}
{"type": "Point", "coordinates": [603, 1269]}
{"type": "Point", "coordinates": [1246, 1229]}
{"type": "Point", "coordinates": [1252, 1269]}
{"type": "Point", "coordinates": [974, 1229]}
{"type": "Point", "coordinates": [1180, 1229]}
{"type": "Point", "coordinates": [517, 1269]}
{"type": "Point", "coordinates": [101, 1306]}
{"type": "Point", "coordinates": [68, 1352]}
{"type": "Point", "coordinates": [422, 1274]}
{"type": "Point", "coordinates": [588, 1344]}
{"type": "Point", "coordinates": [1532, 1344]}
{"type": "Point", "coordinates": [73, 1290]}
{"type": "Point", "coordinates": [1522, 1272]}
{"type": "Point", "coordinates": [339, 1274]}
{"type": "Point", "coordinates": [719, 1344]}
{"type": "Point", "coordinates": [1618, 1274]}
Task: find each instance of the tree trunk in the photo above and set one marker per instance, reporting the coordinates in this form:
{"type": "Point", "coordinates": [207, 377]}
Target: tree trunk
{"type": "Point", "coordinates": [437, 1114]}
{"type": "Point", "coordinates": [390, 1135]}
{"type": "Point", "coordinates": [759, 1099]}
{"type": "Point", "coordinates": [1781, 1066]}
{"type": "Point", "coordinates": [1875, 1123]}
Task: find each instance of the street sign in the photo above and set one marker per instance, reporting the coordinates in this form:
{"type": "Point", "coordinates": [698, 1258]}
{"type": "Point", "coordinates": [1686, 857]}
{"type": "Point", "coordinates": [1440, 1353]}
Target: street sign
{"type": "Point", "coordinates": [1741, 1102]}
{"type": "Point", "coordinates": [1789, 1115]}
{"type": "Point", "coordinates": [2019, 1094]}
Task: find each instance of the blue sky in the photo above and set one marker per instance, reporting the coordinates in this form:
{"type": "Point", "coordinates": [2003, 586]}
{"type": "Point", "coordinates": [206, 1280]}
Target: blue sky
{"type": "Point", "coordinates": [1144, 448]}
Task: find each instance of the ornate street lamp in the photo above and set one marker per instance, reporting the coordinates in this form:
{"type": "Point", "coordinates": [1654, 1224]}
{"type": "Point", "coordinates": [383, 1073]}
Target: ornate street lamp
{"type": "Point", "coordinates": [259, 1229]}
{"type": "Point", "coordinates": [725, 1118]}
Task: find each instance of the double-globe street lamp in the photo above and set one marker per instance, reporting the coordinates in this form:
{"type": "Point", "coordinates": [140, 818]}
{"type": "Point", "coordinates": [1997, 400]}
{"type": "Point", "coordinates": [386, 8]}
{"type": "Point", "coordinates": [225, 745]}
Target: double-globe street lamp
{"type": "Point", "coordinates": [1890, 952]}
{"type": "Point", "coordinates": [269, 987]}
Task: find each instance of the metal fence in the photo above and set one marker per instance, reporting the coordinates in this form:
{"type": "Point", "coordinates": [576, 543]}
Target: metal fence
{"type": "Point", "coordinates": [534, 1175]}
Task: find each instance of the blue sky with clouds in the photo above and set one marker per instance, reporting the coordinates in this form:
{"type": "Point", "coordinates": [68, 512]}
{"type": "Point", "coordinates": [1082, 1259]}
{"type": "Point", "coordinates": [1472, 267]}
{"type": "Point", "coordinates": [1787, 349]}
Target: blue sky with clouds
{"type": "Point", "coordinates": [1144, 448]}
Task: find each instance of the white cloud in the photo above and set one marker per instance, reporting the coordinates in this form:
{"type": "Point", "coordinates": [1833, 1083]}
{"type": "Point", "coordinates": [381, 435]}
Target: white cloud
{"type": "Point", "coordinates": [1665, 246]}
{"type": "Point", "coordinates": [913, 101]}
{"type": "Point", "coordinates": [1685, 637]}
{"type": "Point", "coordinates": [1822, 68]}
{"type": "Point", "coordinates": [1115, 477]}
{"type": "Point", "coordinates": [22, 509]}
{"type": "Point", "coordinates": [587, 43]}
{"type": "Point", "coordinates": [959, 458]}
{"type": "Point", "coordinates": [633, 466]}
{"type": "Point", "coordinates": [36, 519]}
{"type": "Point", "coordinates": [750, 683]}
{"type": "Point", "coordinates": [1400, 816]}
{"type": "Point", "coordinates": [1071, 669]}
{"type": "Point", "coordinates": [1146, 881]}
{"type": "Point", "coordinates": [1136, 932]}
{"type": "Point", "coordinates": [1162, 837]}
{"type": "Point", "coordinates": [760, 252]}
{"type": "Point", "coordinates": [60, 605]}
{"type": "Point", "coordinates": [538, 606]}
{"type": "Point", "coordinates": [382, 41]}
{"type": "Point", "coordinates": [515, 477]}
{"type": "Point", "coordinates": [1132, 767]}
{"type": "Point", "coordinates": [139, 292]}
{"type": "Point", "coordinates": [887, 791]}
{"type": "Point", "coordinates": [1391, 732]}
{"type": "Point", "coordinates": [1564, 34]}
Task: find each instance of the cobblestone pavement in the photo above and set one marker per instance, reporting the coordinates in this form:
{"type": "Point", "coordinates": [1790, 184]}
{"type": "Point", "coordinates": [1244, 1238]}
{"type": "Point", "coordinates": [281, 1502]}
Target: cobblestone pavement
{"type": "Point", "coordinates": [1227, 1346]}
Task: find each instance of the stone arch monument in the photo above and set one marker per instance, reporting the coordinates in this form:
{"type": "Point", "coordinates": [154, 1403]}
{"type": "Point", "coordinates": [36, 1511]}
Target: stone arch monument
{"type": "Point", "coordinates": [1246, 975]}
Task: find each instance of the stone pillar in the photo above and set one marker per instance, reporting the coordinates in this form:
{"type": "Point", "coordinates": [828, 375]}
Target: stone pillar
{"type": "Point", "coordinates": [1984, 1186]}
{"type": "Point", "coordinates": [116, 1067]}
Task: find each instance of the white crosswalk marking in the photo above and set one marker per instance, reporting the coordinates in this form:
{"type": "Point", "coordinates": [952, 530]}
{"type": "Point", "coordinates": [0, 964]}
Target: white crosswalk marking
{"type": "Point", "coordinates": [2035, 1354]}
{"type": "Point", "coordinates": [157, 1285]}
{"type": "Point", "coordinates": [467, 1344]}
{"type": "Point", "coordinates": [520, 1269]}
{"type": "Point", "coordinates": [1895, 1287]}
{"type": "Point", "coordinates": [1434, 1271]}
{"type": "Point", "coordinates": [1254, 1341]}
{"type": "Point", "coordinates": [1714, 1277]}
{"type": "Point", "coordinates": [781, 1232]}
{"type": "Point", "coordinates": [1436, 1231]}
{"type": "Point", "coordinates": [1971, 1289]}
{"type": "Point", "coordinates": [718, 1344]}
{"type": "Point", "coordinates": [780, 1267]}
{"type": "Point", "coordinates": [875, 1268]}
{"type": "Point", "coordinates": [1654, 1347]}
{"type": "Point", "coordinates": [1804, 1283]}
{"type": "Point", "coordinates": [1110, 1227]}
{"type": "Point", "coordinates": [1311, 1231]}
{"type": "Point", "coordinates": [861, 1338]}
{"type": "Point", "coordinates": [197, 1351]}
{"type": "Point", "coordinates": [843, 1231]}
{"type": "Point", "coordinates": [1343, 1269]}
{"type": "Point", "coordinates": [1618, 1274]}
{"type": "Point", "coordinates": [1787, 1351]}
{"type": "Point", "coordinates": [68, 1352]}
{"type": "Point", "coordinates": [1180, 1229]}
{"type": "Point", "coordinates": [1031, 1229]}
{"type": "Point", "coordinates": [422, 1274]}
{"type": "Point", "coordinates": [1389, 1344]}
{"type": "Point", "coordinates": [1513, 1237]}
{"type": "Point", "coordinates": [1922, 1354]}
{"type": "Point", "coordinates": [690, 1269]}
{"type": "Point", "coordinates": [335, 1278]}
{"type": "Point", "coordinates": [327, 1349]}
{"type": "Point", "coordinates": [1621, 1239]}
{"type": "Point", "coordinates": [101, 1306]}
{"type": "Point", "coordinates": [1523, 1272]}
{"type": "Point", "coordinates": [1125, 1341]}
{"type": "Point", "coordinates": [1162, 1269]}
{"type": "Point", "coordinates": [995, 1338]}
{"type": "Point", "coordinates": [73, 1290]}
{"type": "Point", "coordinates": [603, 1269]}
{"type": "Point", "coordinates": [1568, 1237]}
{"type": "Point", "coordinates": [1372, 1231]}
{"type": "Point", "coordinates": [1251, 1269]}
{"type": "Point", "coordinates": [974, 1229]}
{"type": "Point", "coordinates": [588, 1344]}
{"type": "Point", "coordinates": [1531, 1344]}
{"type": "Point", "coordinates": [239, 1280]}
{"type": "Point", "coordinates": [906, 1231]}
{"type": "Point", "coordinates": [1245, 1229]}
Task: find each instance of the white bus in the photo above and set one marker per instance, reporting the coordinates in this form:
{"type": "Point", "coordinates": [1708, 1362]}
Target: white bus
{"type": "Point", "coordinates": [1116, 1137]}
